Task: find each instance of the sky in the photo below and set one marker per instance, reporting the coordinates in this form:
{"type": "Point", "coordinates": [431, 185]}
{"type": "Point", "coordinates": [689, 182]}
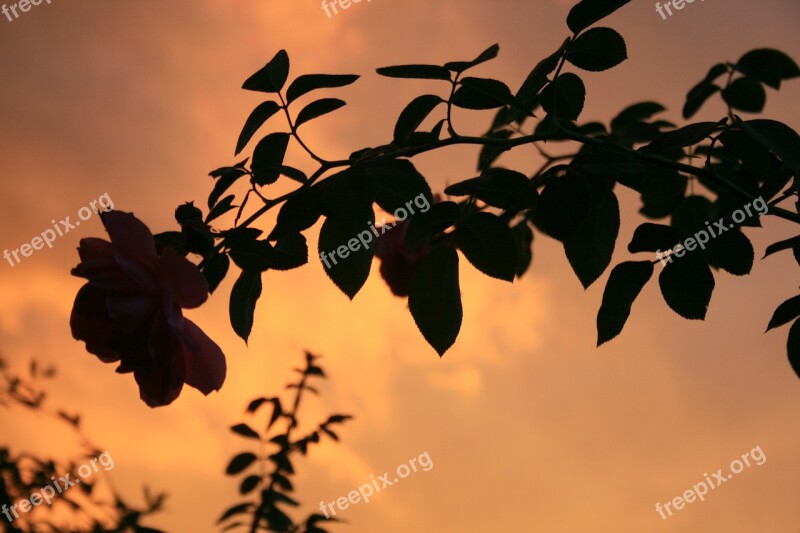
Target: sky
{"type": "Point", "coordinates": [529, 427]}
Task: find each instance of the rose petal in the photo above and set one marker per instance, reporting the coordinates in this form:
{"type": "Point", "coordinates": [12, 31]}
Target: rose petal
{"type": "Point", "coordinates": [96, 256]}
{"type": "Point", "coordinates": [134, 247]}
{"type": "Point", "coordinates": [90, 323]}
{"type": "Point", "coordinates": [184, 281]}
{"type": "Point", "coordinates": [204, 362]}
{"type": "Point", "coordinates": [160, 374]}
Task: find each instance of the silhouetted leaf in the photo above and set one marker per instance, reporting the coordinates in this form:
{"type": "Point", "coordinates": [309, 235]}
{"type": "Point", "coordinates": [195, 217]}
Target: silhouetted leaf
{"type": "Point", "coordinates": [487, 55]}
{"type": "Point", "coordinates": [768, 66]}
{"type": "Point", "coordinates": [634, 114]}
{"type": "Point", "coordinates": [701, 92]}
{"type": "Point", "coordinates": [564, 97]}
{"type": "Point", "coordinates": [528, 93]}
{"type": "Point", "coordinates": [215, 269]}
{"type": "Point", "coordinates": [424, 225]}
{"type": "Point", "coordinates": [236, 509]}
{"type": "Point", "coordinates": [338, 238]}
{"type": "Point", "coordinates": [225, 205]}
{"type": "Point", "coordinates": [624, 284]}
{"type": "Point", "coordinates": [498, 187]}
{"type": "Point", "coordinates": [482, 93]}
{"type": "Point", "coordinates": [245, 431]}
{"type": "Point", "coordinates": [311, 82]}
{"type": "Point", "coordinates": [257, 118]}
{"type": "Point", "coordinates": [687, 284]}
{"type": "Point", "coordinates": [488, 243]}
{"type": "Point", "coordinates": [268, 158]}
{"type": "Point", "coordinates": [587, 12]}
{"type": "Point", "coordinates": [653, 238]}
{"type": "Point", "coordinates": [682, 137]}
{"type": "Point", "coordinates": [249, 483]}
{"type": "Point", "coordinates": [413, 115]}
{"type": "Point", "coordinates": [745, 94]}
{"type": "Point", "coordinates": [596, 50]}
{"type": "Point", "coordinates": [785, 313]}
{"type": "Point", "coordinates": [776, 137]}
{"type": "Point", "coordinates": [590, 248]}
{"type": "Point", "coordinates": [317, 109]}
{"type": "Point", "coordinates": [399, 185]}
{"type": "Point", "coordinates": [562, 206]}
{"type": "Point", "coordinates": [731, 251]}
{"type": "Point", "coordinates": [787, 244]}
{"type": "Point", "coordinates": [435, 298]}
{"type": "Point", "coordinates": [426, 72]}
{"type": "Point", "coordinates": [272, 77]}
{"type": "Point", "coordinates": [240, 462]}
{"type": "Point", "coordinates": [793, 347]}
{"type": "Point", "coordinates": [244, 296]}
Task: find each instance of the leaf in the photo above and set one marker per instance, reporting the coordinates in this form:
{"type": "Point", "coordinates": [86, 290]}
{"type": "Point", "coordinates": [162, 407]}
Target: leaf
{"type": "Point", "coordinates": [534, 83]}
{"type": "Point", "coordinates": [425, 72]}
{"type": "Point", "coordinates": [562, 205]}
{"type": "Point", "coordinates": [482, 93]}
{"type": "Point", "coordinates": [225, 205]}
{"type": "Point", "coordinates": [697, 97]}
{"type": "Point", "coordinates": [745, 94]}
{"type": "Point", "coordinates": [787, 244]}
{"type": "Point", "coordinates": [215, 269]}
{"type": "Point", "coordinates": [776, 137]}
{"type": "Point", "coordinates": [347, 261]}
{"type": "Point", "coordinates": [268, 158]}
{"type": "Point", "coordinates": [257, 118]}
{"type": "Point", "coordinates": [682, 137]}
{"type": "Point", "coordinates": [298, 213]}
{"type": "Point", "coordinates": [687, 284]}
{"type": "Point", "coordinates": [624, 284]}
{"type": "Point", "coordinates": [498, 187]}
{"type": "Point", "coordinates": [413, 116]}
{"type": "Point", "coordinates": [596, 50]}
{"type": "Point", "coordinates": [423, 226]}
{"type": "Point", "coordinates": [245, 431]}
{"type": "Point", "coordinates": [610, 163]}
{"type": "Point", "coordinates": [793, 347]}
{"type": "Point", "coordinates": [523, 235]}
{"type": "Point", "coordinates": [317, 109]}
{"type": "Point", "coordinates": [588, 12]}
{"type": "Point", "coordinates": [252, 255]}
{"type": "Point", "coordinates": [650, 237]}
{"type": "Point", "coordinates": [233, 511]}
{"type": "Point", "coordinates": [731, 251]}
{"type": "Point", "coordinates": [244, 296]}
{"type": "Point", "coordinates": [435, 298]}
{"type": "Point", "coordinates": [634, 114]}
{"type": "Point", "coordinates": [489, 244]}
{"type": "Point", "coordinates": [291, 251]}
{"type": "Point", "coordinates": [487, 55]}
{"type": "Point", "coordinates": [564, 97]}
{"type": "Point", "coordinates": [768, 66]}
{"type": "Point", "coordinates": [249, 483]}
{"type": "Point", "coordinates": [590, 248]}
{"type": "Point", "coordinates": [239, 463]}
{"type": "Point", "coordinates": [785, 313]}
{"type": "Point", "coordinates": [310, 82]}
{"type": "Point", "coordinates": [399, 185]}
{"type": "Point", "coordinates": [272, 77]}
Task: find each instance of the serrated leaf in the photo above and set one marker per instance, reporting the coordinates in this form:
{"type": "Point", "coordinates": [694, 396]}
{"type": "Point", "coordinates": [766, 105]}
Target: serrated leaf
{"type": "Point", "coordinates": [435, 298]}
{"type": "Point", "coordinates": [590, 249]}
{"type": "Point", "coordinates": [423, 226]}
{"type": "Point", "coordinates": [399, 185]}
{"type": "Point", "coordinates": [310, 82]}
{"type": "Point", "coordinates": [225, 181]}
{"type": "Point", "coordinates": [215, 269]}
{"type": "Point", "coordinates": [564, 97]}
{"type": "Point", "coordinates": [240, 462]}
{"type": "Point", "coordinates": [527, 95]}
{"type": "Point", "coordinates": [338, 238]}
{"type": "Point", "coordinates": [776, 137]}
{"type": "Point", "coordinates": [413, 115]}
{"type": "Point", "coordinates": [317, 109]}
{"type": "Point", "coordinates": [244, 296]}
{"type": "Point", "coordinates": [483, 93]}
{"type": "Point", "coordinates": [597, 49]}
{"type": "Point", "coordinates": [426, 72]}
{"type": "Point", "coordinates": [588, 12]}
{"type": "Point", "coordinates": [785, 313]}
{"type": "Point", "coordinates": [793, 347]}
{"type": "Point", "coordinates": [257, 118]}
{"type": "Point", "coordinates": [745, 94]}
{"type": "Point", "coordinates": [687, 285]}
{"type": "Point", "coordinates": [488, 243]}
{"type": "Point", "coordinates": [624, 284]}
{"type": "Point", "coordinates": [268, 158]}
{"type": "Point", "coordinates": [768, 66]}
{"type": "Point", "coordinates": [731, 251]}
{"type": "Point", "coordinates": [272, 77]}
{"type": "Point", "coordinates": [562, 205]}
{"type": "Point", "coordinates": [650, 237]}
{"type": "Point", "coordinates": [498, 187]}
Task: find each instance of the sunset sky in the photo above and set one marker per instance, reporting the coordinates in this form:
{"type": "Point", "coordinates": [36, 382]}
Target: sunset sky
{"type": "Point", "coordinates": [528, 425]}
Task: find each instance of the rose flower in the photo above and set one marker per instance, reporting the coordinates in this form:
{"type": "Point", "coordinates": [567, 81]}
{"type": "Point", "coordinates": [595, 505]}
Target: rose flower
{"type": "Point", "coordinates": [130, 312]}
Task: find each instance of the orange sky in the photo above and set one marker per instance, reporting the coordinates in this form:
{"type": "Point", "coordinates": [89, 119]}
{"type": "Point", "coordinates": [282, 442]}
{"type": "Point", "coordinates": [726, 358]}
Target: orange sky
{"type": "Point", "coordinates": [529, 427]}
